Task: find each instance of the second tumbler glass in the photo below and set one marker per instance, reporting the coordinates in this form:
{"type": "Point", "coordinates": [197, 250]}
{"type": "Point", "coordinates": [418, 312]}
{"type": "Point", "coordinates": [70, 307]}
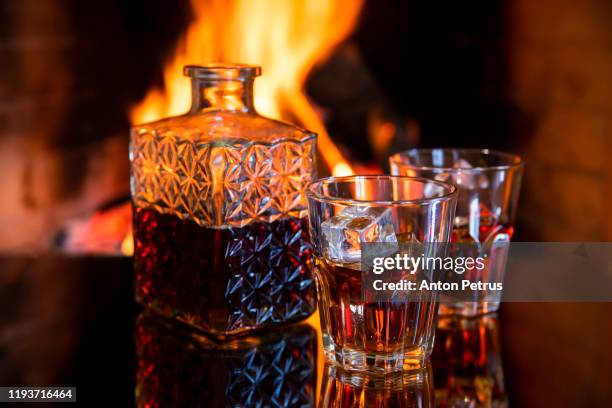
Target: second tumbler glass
{"type": "Point", "coordinates": [345, 213]}
{"type": "Point", "coordinates": [488, 185]}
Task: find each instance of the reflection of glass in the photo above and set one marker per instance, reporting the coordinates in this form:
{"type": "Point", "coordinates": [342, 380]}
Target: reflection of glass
{"type": "Point", "coordinates": [174, 370]}
{"type": "Point", "coordinates": [467, 363]}
{"type": "Point", "coordinates": [221, 238]}
{"type": "Point", "coordinates": [343, 389]}
{"type": "Point", "coordinates": [373, 334]}
{"type": "Point", "coordinates": [488, 184]}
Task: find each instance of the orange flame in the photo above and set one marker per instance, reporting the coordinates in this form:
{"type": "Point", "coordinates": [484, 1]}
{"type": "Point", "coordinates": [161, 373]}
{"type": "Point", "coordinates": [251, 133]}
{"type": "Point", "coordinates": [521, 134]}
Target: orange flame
{"type": "Point", "coordinates": [285, 37]}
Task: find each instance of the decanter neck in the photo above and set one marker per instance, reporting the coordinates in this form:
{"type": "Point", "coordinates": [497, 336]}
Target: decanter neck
{"type": "Point", "coordinates": [222, 87]}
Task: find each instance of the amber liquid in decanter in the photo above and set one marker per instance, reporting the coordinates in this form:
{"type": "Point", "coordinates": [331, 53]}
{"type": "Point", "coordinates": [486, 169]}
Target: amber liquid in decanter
{"type": "Point", "coordinates": [220, 228]}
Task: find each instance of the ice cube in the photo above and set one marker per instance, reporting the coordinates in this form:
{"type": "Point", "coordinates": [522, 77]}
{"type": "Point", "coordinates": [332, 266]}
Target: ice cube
{"type": "Point", "coordinates": [345, 232]}
{"type": "Point", "coordinates": [469, 180]}
{"type": "Point", "coordinates": [431, 189]}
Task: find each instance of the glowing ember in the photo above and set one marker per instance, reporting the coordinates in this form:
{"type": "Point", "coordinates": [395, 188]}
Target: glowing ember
{"type": "Point", "coordinates": [102, 233]}
{"type": "Point", "coordinates": [285, 37]}
{"type": "Point", "coordinates": [127, 245]}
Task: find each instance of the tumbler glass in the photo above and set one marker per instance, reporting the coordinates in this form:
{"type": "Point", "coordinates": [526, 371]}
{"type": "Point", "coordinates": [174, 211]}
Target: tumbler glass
{"type": "Point", "coordinates": [346, 214]}
{"type": "Point", "coordinates": [488, 184]}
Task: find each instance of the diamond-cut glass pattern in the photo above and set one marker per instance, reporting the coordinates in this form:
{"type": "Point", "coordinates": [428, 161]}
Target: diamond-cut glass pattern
{"type": "Point", "coordinates": [220, 229]}
{"type": "Point", "coordinates": [175, 370]}
{"type": "Point", "coordinates": [279, 374]}
{"type": "Point", "coordinates": [224, 281]}
{"type": "Point", "coordinates": [217, 184]}
{"type": "Point", "coordinates": [270, 273]}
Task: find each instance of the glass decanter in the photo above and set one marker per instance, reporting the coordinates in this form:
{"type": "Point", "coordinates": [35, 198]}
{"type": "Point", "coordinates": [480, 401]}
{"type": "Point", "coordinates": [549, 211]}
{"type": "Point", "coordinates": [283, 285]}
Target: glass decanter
{"type": "Point", "coordinates": [220, 229]}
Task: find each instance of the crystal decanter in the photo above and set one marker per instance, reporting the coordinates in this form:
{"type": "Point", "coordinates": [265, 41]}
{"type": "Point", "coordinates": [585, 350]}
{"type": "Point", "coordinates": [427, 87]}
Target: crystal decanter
{"type": "Point", "coordinates": [220, 229]}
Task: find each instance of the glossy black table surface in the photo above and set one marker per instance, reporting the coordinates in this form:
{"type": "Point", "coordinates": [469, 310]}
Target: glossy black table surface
{"type": "Point", "coordinates": [71, 321]}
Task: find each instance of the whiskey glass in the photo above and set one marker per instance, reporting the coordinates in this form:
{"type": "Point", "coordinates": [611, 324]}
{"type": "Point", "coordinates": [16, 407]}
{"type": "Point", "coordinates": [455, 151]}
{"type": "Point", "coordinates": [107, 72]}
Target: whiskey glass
{"type": "Point", "coordinates": [360, 331]}
{"type": "Point", "coordinates": [488, 184]}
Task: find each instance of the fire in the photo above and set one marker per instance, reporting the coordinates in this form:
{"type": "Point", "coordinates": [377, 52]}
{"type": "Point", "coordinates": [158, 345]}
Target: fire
{"type": "Point", "coordinates": [285, 37]}
{"type": "Point", "coordinates": [127, 245]}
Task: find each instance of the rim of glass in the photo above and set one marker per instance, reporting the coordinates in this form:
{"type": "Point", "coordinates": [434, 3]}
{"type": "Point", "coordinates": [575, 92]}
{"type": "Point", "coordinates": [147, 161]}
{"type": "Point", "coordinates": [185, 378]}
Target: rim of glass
{"type": "Point", "coordinates": [221, 70]}
{"type": "Point", "coordinates": [515, 161]}
{"type": "Point", "coordinates": [449, 190]}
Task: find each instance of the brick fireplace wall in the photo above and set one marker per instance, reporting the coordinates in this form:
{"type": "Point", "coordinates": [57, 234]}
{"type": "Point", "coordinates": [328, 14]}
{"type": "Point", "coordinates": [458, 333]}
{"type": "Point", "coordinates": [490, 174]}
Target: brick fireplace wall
{"type": "Point", "coordinates": [560, 78]}
{"type": "Point", "coordinates": [69, 70]}
{"type": "Point", "coordinates": [560, 82]}
{"type": "Point", "coordinates": [57, 159]}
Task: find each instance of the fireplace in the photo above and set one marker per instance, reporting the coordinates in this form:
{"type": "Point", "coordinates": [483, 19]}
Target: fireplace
{"type": "Point", "coordinates": [382, 76]}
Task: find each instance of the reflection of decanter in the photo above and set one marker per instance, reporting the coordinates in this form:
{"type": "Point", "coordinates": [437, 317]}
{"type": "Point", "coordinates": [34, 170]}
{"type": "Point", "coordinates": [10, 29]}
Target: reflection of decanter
{"type": "Point", "coordinates": [221, 239]}
{"type": "Point", "coordinates": [344, 389]}
{"type": "Point", "coordinates": [175, 371]}
{"type": "Point", "coordinates": [467, 363]}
